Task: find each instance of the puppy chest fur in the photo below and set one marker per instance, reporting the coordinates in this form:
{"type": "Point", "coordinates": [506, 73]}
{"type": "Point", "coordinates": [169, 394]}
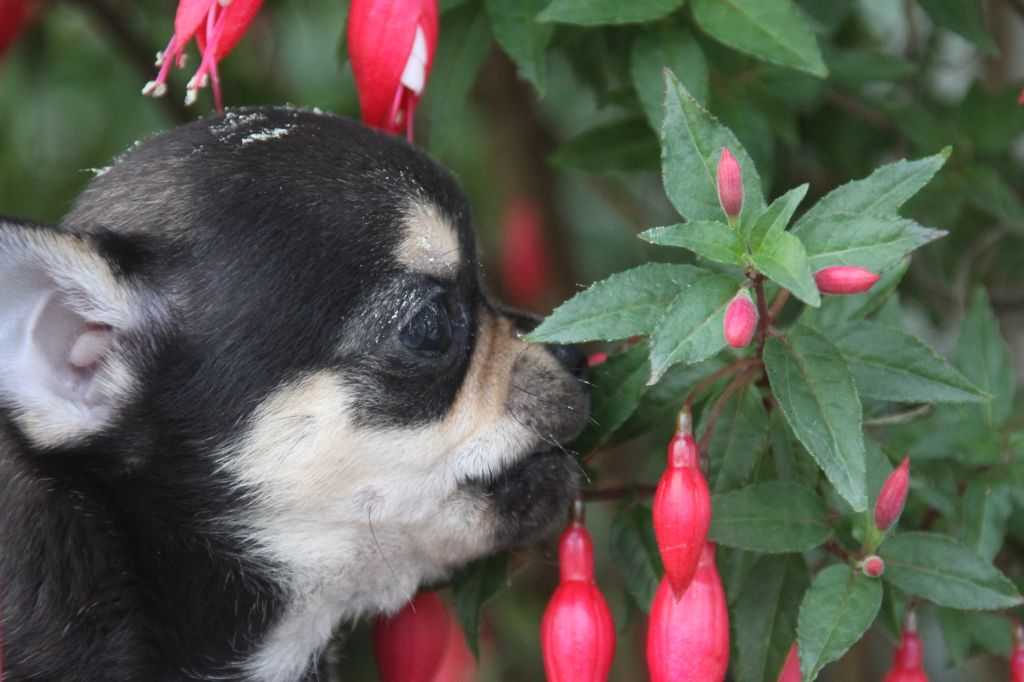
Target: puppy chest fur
{"type": "Point", "coordinates": [255, 389]}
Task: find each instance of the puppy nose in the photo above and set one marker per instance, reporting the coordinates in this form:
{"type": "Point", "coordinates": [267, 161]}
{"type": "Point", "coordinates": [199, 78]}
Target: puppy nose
{"type": "Point", "coordinates": [570, 357]}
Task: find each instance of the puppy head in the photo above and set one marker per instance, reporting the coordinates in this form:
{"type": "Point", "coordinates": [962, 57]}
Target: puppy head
{"type": "Point", "coordinates": [283, 309]}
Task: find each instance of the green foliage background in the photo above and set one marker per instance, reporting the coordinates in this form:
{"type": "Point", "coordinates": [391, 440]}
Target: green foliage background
{"type": "Point", "coordinates": [560, 102]}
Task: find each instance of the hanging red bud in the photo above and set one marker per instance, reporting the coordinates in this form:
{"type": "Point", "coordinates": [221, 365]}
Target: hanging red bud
{"type": "Point", "coordinates": [688, 638]}
{"type": "Point", "coordinates": [14, 15]}
{"type": "Point", "coordinates": [458, 663]}
{"type": "Point", "coordinates": [844, 279]}
{"type": "Point", "coordinates": [526, 273]}
{"type": "Point", "coordinates": [906, 665]}
{"type": "Point", "coordinates": [577, 633]}
{"type": "Point", "coordinates": [410, 645]}
{"type": "Point", "coordinates": [873, 566]}
{"type": "Point", "coordinates": [217, 26]}
{"type": "Point", "coordinates": [598, 358]}
{"type": "Point", "coordinates": [893, 497]}
{"type": "Point", "coordinates": [791, 668]}
{"type": "Point", "coordinates": [1017, 657]}
{"type": "Point", "coordinates": [391, 46]}
{"type": "Point", "coordinates": [740, 320]}
{"type": "Point", "coordinates": [682, 513]}
{"type": "Point", "coordinates": [730, 184]}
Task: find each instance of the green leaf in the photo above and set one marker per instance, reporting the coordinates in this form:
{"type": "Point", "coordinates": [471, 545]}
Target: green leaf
{"type": "Point", "coordinates": [881, 193]}
{"type": "Point", "coordinates": [521, 36]}
{"type": "Point", "coordinates": [713, 240]}
{"type": "Point", "coordinates": [616, 387]}
{"type": "Point", "coordinates": [776, 217]}
{"type": "Point", "coordinates": [835, 613]}
{"type": "Point", "coordinates": [782, 258]}
{"type": "Point", "coordinates": [772, 30]}
{"type": "Point", "coordinates": [961, 16]}
{"type": "Point", "coordinates": [691, 328]}
{"type": "Point", "coordinates": [985, 513]}
{"type": "Point", "coordinates": [765, 616]}
{"type": "Point", "coordinates": [634, 549]}
{"type": "Point", "coordinates": [691, 143]}
{"type": "Point", "coordinates": [939, 568]}
{"type": "Point", "coordinates": [969, 631]}
{"type": "Point", "coordinates": [815, 391]}
{"type": "Point", "coordinates": [889, 364]}
{"type": "Point", "coordinates": [473, 586]}
{"type": "Point", "coordinates": [625, 304]}
{"type": "Point", "coordinates": [666, 45]}
{"type": "Point", "coordinates": [984, 357]}
{"type": "Point", "coordinates": [600, 12]}
{"type": "Point", "coordinates": [626, 145]}
{"type": "Point", "coordinates": [769, 517]}
{"type": "Point", "coordinates": [461, 52]}
{"type": "Point", "coordinates": [873, 242]}
{"type": "Point", "coordinates": [660, 403]}
{"type": "Point", "coordinates": [738, 439]}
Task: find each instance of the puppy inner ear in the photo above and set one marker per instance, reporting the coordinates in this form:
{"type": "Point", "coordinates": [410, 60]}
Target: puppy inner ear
{"type": "Point", "coordinates": [61, 310]}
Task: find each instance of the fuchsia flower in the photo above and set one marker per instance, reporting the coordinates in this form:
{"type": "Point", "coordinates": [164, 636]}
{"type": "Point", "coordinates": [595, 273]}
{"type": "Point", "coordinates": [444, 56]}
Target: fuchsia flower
{"type": "Point", "coordinates": [410, 646]}
{"type": "Point", "coordinates": [391, 45]}
{"type": "Point", "coordinates": [791, 668]}
{"type": "Point", "coordinates": [893, 497]}
{"type": "Point", "coordinates": [14, 15]}
{"type": "Point", "coordinates": [740, 320]}
{"type": "Point", "coordinates": [217, 26]}
{"type": "Point", "coordinates": [844, 279]}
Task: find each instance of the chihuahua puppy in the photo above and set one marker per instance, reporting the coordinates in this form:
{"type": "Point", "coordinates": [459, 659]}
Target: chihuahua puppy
{"type": "Point", "coordinates": [251, 387]}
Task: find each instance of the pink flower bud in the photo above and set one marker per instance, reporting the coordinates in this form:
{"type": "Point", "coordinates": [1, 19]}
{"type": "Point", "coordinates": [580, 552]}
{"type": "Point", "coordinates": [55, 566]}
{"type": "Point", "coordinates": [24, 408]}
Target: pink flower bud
{"type": "Point", "coordinates": [872, 566]}
{"type": "Point", "coordinates": [14, 15]}
{"type": "Point", "coordinates": [577, 633]}
{"type": "Point", "coordinates": [596, 359]}
{"type": "Point", "coordinates": [740, 320]}
{"type": "Point", "coordinates": [526, 272]}
{"type": "Point", "coordinates": [391, 46]}
{"type": "Point", "coordinates": [688, 638]}
{"type": "Point", "coordinates": [217, 27]}
{"type": "Point", "coordinates": [906, 665]}
{"type": "Point", "coordinates": [730, 184]}
{"type": "Point", "coordinates": [844, 279]}
{"type": "Point", "coordinates": [410, 645]}
{"type": "Point", "coordinates": [682, 513]}
{"type": "Point", "coordinates": [1017, 657]}
{"type": "Point", "coordinates": [791, 668]}
{"type": "Point", "coordinates": [890, 501]}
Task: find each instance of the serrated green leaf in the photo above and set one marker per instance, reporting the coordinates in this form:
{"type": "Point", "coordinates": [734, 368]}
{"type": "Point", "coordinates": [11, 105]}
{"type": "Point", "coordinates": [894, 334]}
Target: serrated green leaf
{"type": "Point", "coordinates": [964, 17]}
{"type": "Point", "coordinates": [615, 389]}
{"type": "Point", "coordinates": [738, 439]}
{"type": "Point", "coordinates": [772, 30]}
{"type": "Point", "coordinates": [691, 328]}
{"type": "Point", "coordinates": [967, 632]}
{"type": "Point", "coordinates": [691, 143]}
{"type": "Point", "coordinates": [984, 358]}
{"type": "Point", "coordinates": [872, 242]}
{"type": "Point", "coordinates": [782, 258]}
{"type": "Point", "coordinates": [523, 38]}
{"type": "Point", "coordinates": [985, 513]}
{"type": "Point", "coordinates": [838, 608]}
{"type": "Point", "coordinates": [626, 145]}
{"type": "Point", "coordinates": [889, 364]}
{"type": "Point", "coordinates": [461, 52]}
{"type": "Point", "coordinates": [881, 193]}
{"type": "Point", "coordinates": [765, 616]}
{"type": "Point", "coordinates": [939, 568]}
{"type": "Point", "coordinates": [473, 586]}
{"type": "Point", "coordinates": [625, 304]}
{"type": "Point", "coordinates": [769, 517]}
{"type": "Point", "coordinates": [713, 240]}
{"type": "Point", "coordinates": [601, 12]}
{"type": "Point", "coordinates": [666, 45]}
{"type": "Point", "coordinates": [634, 549]}
{"type": "Point", "coordinates": [815, 391]}
{"type": "Point", "coordinates": [776, 217]}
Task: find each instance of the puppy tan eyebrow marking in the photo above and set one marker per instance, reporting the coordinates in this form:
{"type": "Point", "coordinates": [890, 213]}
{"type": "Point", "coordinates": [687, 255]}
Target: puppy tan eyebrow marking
{"type": "Point", "coordinates": [430, 244]}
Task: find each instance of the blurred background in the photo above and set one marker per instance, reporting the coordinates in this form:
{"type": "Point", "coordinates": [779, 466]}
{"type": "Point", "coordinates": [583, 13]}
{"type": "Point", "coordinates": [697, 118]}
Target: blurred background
{"type": "Point", "coordinates": [559, 157]}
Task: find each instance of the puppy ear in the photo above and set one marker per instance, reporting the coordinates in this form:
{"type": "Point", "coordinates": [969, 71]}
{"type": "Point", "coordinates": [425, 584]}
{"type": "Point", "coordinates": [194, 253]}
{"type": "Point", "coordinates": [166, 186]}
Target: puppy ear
{"type": "Point", "coordinates": [64, 312]}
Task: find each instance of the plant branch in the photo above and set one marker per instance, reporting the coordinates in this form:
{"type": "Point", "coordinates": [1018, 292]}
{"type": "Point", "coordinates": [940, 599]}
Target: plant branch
{"type": "Point", "coordinates": [712, 379]}
{"type": "Point", "coordinates": [778, 304]}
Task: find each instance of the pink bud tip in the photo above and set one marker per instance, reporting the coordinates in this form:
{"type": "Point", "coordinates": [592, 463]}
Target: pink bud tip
{"type": "Point", "coordinates": [872, 566]}
{"type": "Point", "coordinates": [791, 668]}
{"type": "Point", "coordinates": [730, 184]}
{"type": "Point", "coordinates": [596, 359]}
{"type": "Point", "coordinates": [844, 279]}
{"type": "Point", "coordinates": [893, 496]}
{"type": "Point", "coordinates": [740, 320]}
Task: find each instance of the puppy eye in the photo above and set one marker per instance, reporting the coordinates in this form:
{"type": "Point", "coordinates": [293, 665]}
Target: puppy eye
{"type": "Point", "coordinates": [429, 332]}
